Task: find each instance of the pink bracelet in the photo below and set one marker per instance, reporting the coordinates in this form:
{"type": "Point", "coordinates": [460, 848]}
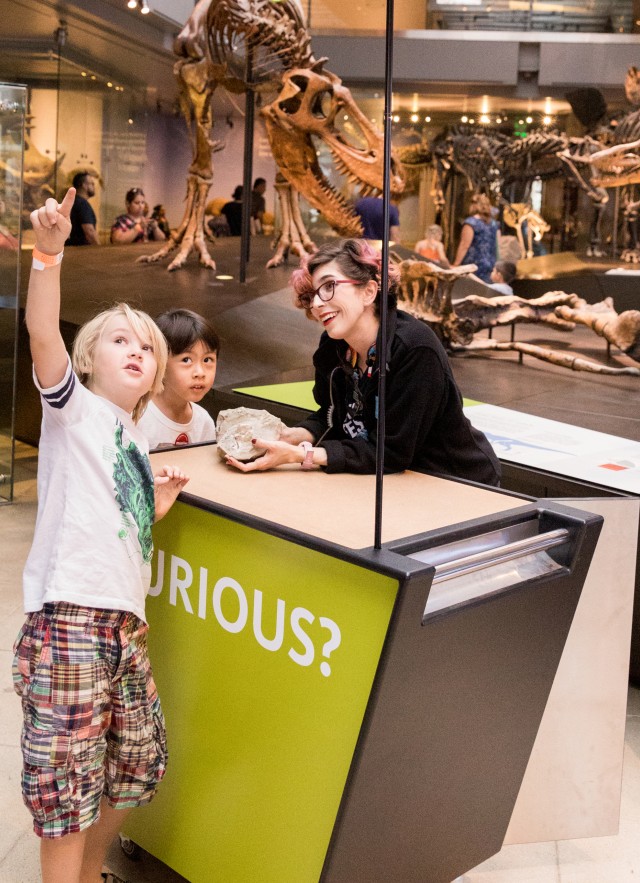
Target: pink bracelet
{"type": "Point", "coordinates": [42, 261]}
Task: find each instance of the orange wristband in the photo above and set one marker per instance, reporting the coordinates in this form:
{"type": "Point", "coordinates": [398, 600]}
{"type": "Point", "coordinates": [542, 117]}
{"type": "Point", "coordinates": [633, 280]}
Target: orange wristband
{"type": "Point", "coordinates": [42, 261]}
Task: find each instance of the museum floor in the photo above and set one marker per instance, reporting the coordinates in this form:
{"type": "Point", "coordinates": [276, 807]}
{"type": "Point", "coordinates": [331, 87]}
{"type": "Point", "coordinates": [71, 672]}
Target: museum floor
{"type": "Point", "coordinates": [264, 341]}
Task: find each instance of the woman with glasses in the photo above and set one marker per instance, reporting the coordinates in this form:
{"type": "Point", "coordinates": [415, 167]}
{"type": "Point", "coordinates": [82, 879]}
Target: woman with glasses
{"type": "Point", "coordinates": [426, 429]}
{"type": "Point", "coordinates": [134, 226]}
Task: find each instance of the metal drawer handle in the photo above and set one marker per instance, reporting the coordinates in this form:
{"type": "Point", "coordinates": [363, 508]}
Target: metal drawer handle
{"type": "Point", "coordinates": [490, 557]}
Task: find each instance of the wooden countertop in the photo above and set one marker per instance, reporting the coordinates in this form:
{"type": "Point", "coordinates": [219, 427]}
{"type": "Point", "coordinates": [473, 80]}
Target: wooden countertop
{"type": "Point", "coordinates": [336, 508]}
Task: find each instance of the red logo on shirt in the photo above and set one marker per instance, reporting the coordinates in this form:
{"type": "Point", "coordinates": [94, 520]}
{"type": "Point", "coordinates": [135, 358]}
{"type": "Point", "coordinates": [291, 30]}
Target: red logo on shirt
{"type": "Point", "coordinates": [182, 439]}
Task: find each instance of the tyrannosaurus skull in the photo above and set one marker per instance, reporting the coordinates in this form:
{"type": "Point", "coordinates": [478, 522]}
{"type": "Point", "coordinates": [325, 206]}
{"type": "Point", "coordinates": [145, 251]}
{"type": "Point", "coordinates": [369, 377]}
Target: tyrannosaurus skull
{"type": "Point", "coordinates": [307, 107]}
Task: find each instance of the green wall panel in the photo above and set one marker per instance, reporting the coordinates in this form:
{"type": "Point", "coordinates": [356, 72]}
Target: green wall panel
{"type": "Point", "coordinates": [264, 652]}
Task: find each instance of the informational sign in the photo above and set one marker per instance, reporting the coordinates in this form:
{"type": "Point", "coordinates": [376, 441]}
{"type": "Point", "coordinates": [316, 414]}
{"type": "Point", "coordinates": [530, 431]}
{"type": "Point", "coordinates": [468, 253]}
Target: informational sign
{"type": "Point", "coordinates": [559, 447]}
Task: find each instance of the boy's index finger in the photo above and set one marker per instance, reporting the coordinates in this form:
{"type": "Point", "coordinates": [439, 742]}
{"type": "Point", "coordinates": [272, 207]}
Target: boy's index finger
{"type": "Point", "coordinates": [67, 203]}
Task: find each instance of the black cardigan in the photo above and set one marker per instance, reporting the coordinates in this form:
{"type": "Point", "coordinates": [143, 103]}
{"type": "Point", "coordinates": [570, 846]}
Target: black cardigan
{"type": "Point", "coordinates": [426, 429]}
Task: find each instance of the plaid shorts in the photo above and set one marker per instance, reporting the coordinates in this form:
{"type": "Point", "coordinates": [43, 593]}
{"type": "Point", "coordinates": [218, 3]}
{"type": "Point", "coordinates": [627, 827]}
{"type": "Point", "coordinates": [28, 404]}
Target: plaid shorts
{"type": "Point", "coordinates": [93, 725]}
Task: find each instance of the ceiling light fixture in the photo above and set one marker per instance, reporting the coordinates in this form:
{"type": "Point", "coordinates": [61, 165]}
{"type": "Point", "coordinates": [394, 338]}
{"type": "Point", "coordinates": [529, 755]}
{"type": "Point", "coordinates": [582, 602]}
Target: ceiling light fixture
{"type": "Point", "coordinates": [132, 4]}
{"type": "Point", "coordinates": [144, 9]}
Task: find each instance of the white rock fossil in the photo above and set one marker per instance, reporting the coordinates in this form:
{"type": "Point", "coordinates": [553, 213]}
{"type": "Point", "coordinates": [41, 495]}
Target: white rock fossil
{"type": "Point", "coordinates": [236, 427]}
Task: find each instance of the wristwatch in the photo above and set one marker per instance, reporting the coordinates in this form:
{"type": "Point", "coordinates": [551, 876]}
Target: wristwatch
{"type": "Point", "coordinates": [308, 449]}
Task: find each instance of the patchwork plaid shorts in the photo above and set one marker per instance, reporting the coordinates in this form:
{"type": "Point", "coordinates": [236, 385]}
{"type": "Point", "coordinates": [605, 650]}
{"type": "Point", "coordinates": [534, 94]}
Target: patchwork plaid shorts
{"type": "Point", "coordinates": [93, 725]}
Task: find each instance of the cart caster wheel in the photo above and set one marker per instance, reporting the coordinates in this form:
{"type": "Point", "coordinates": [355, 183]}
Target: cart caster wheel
{"type": "Point", "coordinates": [130, 849]}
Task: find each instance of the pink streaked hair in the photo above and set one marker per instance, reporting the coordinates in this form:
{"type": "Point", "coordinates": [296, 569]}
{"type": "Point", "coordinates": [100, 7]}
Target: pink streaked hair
{"type": "Point", "coordinates": [356, 258]}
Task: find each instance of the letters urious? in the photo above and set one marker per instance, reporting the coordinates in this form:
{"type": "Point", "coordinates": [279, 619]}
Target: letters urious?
{"type": "Point", "coordinates": [181, 580]}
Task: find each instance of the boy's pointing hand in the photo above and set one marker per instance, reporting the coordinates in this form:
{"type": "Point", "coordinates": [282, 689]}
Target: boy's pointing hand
{"type": "Point", "coordinates": [51, 223]}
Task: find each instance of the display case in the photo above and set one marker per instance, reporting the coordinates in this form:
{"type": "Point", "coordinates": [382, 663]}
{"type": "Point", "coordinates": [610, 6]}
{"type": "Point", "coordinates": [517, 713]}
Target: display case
{"type": "Point", "coordinates": [13, 103]}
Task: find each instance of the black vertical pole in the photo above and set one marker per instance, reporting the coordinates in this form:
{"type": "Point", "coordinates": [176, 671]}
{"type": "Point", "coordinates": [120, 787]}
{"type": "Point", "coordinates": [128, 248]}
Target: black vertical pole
{"type": "Point", "coordinates": [245, 238]}
{"type": "Point", "coordinates": [384, 275]}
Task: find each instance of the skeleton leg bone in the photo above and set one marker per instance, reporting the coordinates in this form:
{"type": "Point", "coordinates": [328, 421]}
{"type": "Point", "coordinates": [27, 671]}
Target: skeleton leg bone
{"type": "Point", "coordinates": [197, 80]}
{"type": "Point", "coordinates": [563, 360]}
{"type": "Point", "coordinates": [293, 234]}
{"type": "Point", "coordinates": [622, 330]}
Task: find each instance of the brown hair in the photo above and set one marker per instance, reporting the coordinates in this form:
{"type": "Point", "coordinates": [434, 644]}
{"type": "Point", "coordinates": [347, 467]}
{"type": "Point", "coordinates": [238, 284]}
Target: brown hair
{"type": "Point", "coordinates": [480, 205]}
{"type": "Point", "coordinates": [356, 258]}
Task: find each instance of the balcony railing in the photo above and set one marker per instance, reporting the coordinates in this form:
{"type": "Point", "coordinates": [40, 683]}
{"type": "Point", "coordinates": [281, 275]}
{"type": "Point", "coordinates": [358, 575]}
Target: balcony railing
{"type": "Point", "coordinates": [594, 16]}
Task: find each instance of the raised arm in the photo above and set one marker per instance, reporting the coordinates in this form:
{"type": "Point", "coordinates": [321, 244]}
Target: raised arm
{"type": "Point", "coordinates": [466, 238]}
{"type": "Point", "coordinates": [51, 226]}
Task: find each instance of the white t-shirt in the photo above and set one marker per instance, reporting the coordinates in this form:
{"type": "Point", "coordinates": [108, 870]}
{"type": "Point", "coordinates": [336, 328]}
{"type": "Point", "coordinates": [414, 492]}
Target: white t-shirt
{"type": "Point", "coordinates": [92, 544]}
{"type": "Point", "coordinates": [160, 430]}
{"type": "Point", "coordinates": [502, 287]}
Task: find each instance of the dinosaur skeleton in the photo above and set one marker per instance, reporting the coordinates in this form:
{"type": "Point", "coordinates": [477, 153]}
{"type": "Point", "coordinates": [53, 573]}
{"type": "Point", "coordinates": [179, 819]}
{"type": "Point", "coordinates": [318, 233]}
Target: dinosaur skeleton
{"type": "Point", "coordinates": [493, 162]}
{"type": "Point", "coordinates": [519, 214]}
{"type": "Point", "coordinates": [263, 47]}
{"type": "Point", "coordinates": [426, 292]}
{"type": "Point", "coordinates": [496, 163]}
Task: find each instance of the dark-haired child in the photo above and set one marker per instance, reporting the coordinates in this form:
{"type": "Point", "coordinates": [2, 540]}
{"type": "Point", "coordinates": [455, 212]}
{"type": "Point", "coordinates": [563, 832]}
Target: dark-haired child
{"type": "Point", "coordinates": [502, 276]}
{"type": "Point", "coordinates": [173, 416]}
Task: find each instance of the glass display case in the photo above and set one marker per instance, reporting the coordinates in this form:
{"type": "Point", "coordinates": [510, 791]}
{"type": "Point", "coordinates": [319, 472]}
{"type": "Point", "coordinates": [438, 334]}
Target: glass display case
{"type": "Point", "coordinates": [12, 121]}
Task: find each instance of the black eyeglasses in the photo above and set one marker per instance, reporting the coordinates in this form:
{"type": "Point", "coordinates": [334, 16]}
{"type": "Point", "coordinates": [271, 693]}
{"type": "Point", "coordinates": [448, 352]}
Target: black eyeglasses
{"type": "Point", "coordinates": [325, 292]}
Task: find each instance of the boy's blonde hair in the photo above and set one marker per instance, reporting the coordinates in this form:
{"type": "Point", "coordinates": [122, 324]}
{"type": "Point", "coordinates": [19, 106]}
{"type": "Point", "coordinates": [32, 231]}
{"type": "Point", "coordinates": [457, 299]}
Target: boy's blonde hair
{"type": "Point", "coordinates": [89, 334]}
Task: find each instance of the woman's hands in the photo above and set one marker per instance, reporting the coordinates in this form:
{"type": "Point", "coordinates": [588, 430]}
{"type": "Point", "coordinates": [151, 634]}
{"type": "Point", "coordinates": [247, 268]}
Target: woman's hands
{"type": "Point", "coordinates": [276, 453]}
{"type": "Point", "coordinates": [51, 223]}
{"type": "Point", "coordinates": [167, 484]}
{"type": "Point", "coordinates": [285, 450]}
{"type": "Point", "coordinates": [295, 434]}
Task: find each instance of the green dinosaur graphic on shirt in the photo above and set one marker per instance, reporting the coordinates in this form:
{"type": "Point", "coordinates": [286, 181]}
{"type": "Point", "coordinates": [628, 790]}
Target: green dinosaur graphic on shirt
{"type": "Point", "coordinates": [134, 489]}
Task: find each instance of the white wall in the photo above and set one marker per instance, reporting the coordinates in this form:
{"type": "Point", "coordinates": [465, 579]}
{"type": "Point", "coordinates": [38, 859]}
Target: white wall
{"type": "Point", "coordinates": [177, 11]}
{"type": "Point", "coordinates": [79, 129]}
{"type": "Point", "coordinates": [169, 157]}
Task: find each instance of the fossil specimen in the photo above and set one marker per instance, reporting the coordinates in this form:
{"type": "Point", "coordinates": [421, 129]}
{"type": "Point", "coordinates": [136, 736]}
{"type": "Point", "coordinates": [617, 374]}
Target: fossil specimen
{"type": "Point", "coordinates": [236, 427]}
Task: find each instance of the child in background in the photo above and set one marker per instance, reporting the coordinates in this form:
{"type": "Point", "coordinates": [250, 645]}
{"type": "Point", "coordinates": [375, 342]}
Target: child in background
{"type": "Point", "coordinates": [173, 416]}
{"type": "Point", "coordinates": [502, 276]}
{"type": "Point", "coordinates": [93, 737]}
{"type": "Point", "coordinates": [160, 216]}
{"type": "Point", "coordinates": [431, 246]}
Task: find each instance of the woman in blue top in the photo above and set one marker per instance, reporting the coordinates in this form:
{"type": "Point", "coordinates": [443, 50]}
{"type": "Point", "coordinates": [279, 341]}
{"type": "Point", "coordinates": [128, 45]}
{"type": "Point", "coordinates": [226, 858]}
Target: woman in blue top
{"type": "Point", "coordinates": [479, 238]}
